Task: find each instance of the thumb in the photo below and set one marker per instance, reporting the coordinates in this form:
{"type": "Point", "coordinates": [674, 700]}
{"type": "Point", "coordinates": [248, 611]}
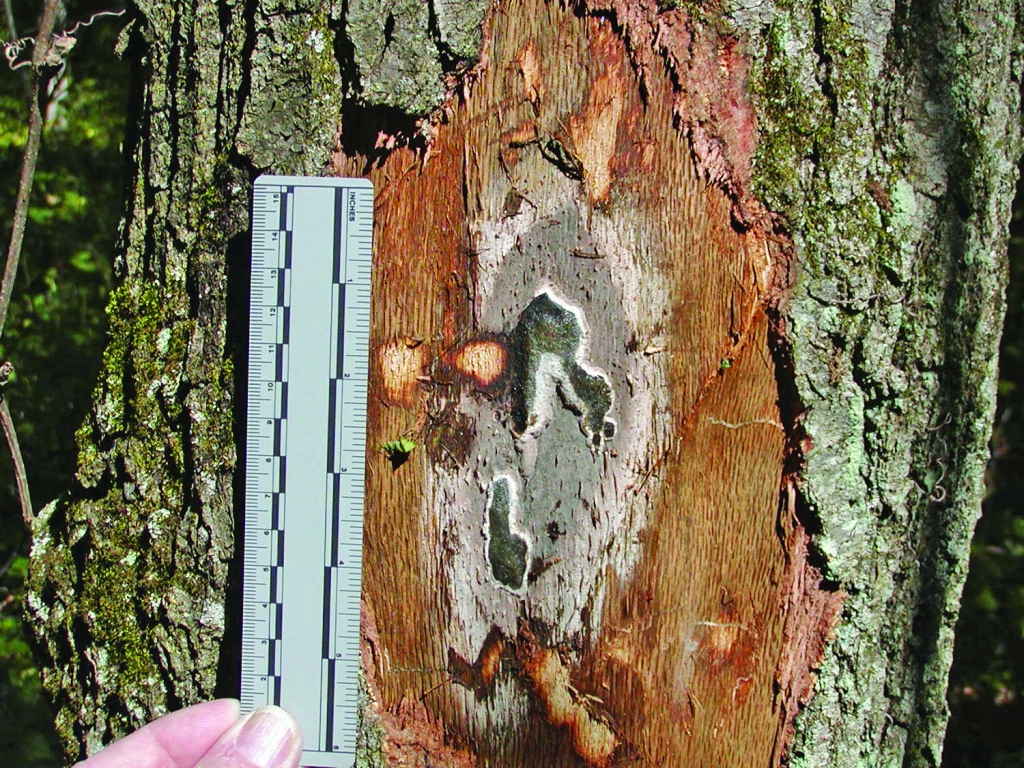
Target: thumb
{"type": "Point", "coordinates": [267, 738]}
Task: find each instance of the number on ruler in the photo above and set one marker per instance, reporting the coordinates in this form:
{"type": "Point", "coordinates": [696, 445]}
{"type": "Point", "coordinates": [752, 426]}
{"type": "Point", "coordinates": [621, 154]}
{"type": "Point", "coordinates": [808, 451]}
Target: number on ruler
{"type": "Point", "coordinates": [272, 288]}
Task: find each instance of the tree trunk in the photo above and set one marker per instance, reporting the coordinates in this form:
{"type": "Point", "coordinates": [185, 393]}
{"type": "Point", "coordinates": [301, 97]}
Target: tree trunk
{"type": "Point", "coordinates": [692, 312]}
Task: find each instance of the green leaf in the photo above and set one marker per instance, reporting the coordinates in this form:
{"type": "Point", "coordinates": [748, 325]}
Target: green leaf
{"type": "Point", "coordinates": [397, 448]}
{"type": "Point", "coordinates": [83, 261]}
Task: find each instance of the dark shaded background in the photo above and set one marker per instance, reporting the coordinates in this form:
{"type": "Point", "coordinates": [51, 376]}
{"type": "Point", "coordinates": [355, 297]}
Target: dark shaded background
{"type": "Point", "coordinates": [55, 336]}
{"type": "Point", "coordinates": [56, 326]}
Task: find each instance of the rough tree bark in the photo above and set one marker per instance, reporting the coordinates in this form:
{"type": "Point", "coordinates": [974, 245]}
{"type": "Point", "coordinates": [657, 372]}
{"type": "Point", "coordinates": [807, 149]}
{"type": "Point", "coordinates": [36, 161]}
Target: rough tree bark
{"type": "Point", "coordinates": [693, 310]}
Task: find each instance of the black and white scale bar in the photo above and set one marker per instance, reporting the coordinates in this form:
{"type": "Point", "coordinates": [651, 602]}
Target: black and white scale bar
{"type": "Point", "coordinates": [305, 456]}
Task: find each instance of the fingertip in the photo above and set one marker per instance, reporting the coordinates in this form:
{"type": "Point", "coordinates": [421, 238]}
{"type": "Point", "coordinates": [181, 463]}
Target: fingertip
{"type": "Point", "coordinates": [186, 735]}
{"type": "Point", "coordinates": [178, 739]}
{"type": "Point", "coordinates": [232, 708]}
{"type": "Point", "coordinates": [266, 738]}
{"type": "Point", "coordinates": [270, 738]}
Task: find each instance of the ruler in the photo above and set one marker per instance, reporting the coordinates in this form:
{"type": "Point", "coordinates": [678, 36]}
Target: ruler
{"type": "Point", "coordinates": [309, 331]}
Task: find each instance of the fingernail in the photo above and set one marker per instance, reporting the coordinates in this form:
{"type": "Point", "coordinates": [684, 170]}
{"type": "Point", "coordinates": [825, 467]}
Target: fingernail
{"type": "Point", "coordinates": [268, 737]}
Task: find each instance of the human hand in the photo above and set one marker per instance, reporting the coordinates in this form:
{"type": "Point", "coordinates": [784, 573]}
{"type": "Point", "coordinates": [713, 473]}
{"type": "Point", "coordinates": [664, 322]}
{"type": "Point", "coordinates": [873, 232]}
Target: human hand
{"type": "Point", "coordinates": [209, 735]}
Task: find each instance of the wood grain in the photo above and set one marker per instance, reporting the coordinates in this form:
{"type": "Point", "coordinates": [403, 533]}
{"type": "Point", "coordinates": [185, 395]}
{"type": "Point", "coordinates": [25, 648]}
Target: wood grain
{"type": "Point", "coordinates": [649, 626]}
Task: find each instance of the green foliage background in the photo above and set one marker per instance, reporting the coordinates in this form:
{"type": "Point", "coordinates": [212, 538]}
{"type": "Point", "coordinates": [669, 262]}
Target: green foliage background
{"type": "Point", "coordinates": [55, 329]}
{"type": "Point", "coordinates": [55, 335]}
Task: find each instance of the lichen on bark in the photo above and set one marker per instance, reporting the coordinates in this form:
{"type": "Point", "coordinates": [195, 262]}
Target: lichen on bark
{"type": "Point", "coordinates": [293, 110]}
{"type": "Point", "coordinates": [888, 145]}
{"type": "Point", "coordinates": [402, 49]}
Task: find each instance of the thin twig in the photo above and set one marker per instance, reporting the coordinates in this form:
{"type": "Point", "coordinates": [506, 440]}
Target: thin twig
{"type": "Point", "coordinates": [88, 22]}
{"type": "Point", "coordinates": [20, 476]}
{"type": "Point", "coordinates": [28, 161]}
{"type": "Point", "coordinates": [10, 560]}
{"type": "Point", "coordinates": [40, 55]}
{"type": "Point", "coordinates": [7, 601]}
{"type": "Point", "coordinates": [60, 43]}
{"type": "Point", "coordinates": [12, 37]}
{"type": "Point", "coordinates": [12, 30]}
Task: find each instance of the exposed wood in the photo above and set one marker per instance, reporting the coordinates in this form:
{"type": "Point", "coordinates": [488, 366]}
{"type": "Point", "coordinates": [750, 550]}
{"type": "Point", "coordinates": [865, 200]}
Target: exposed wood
{"type": "Point", "coordinates": [559, 197]}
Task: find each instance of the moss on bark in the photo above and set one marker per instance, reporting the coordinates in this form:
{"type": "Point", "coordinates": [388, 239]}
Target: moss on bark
{"type": "Point", "coordinates": [130, 572]}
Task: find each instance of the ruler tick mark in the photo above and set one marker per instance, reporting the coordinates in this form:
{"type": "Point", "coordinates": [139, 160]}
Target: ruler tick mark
{"type": "Point", "coordinates": [309, 337]}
